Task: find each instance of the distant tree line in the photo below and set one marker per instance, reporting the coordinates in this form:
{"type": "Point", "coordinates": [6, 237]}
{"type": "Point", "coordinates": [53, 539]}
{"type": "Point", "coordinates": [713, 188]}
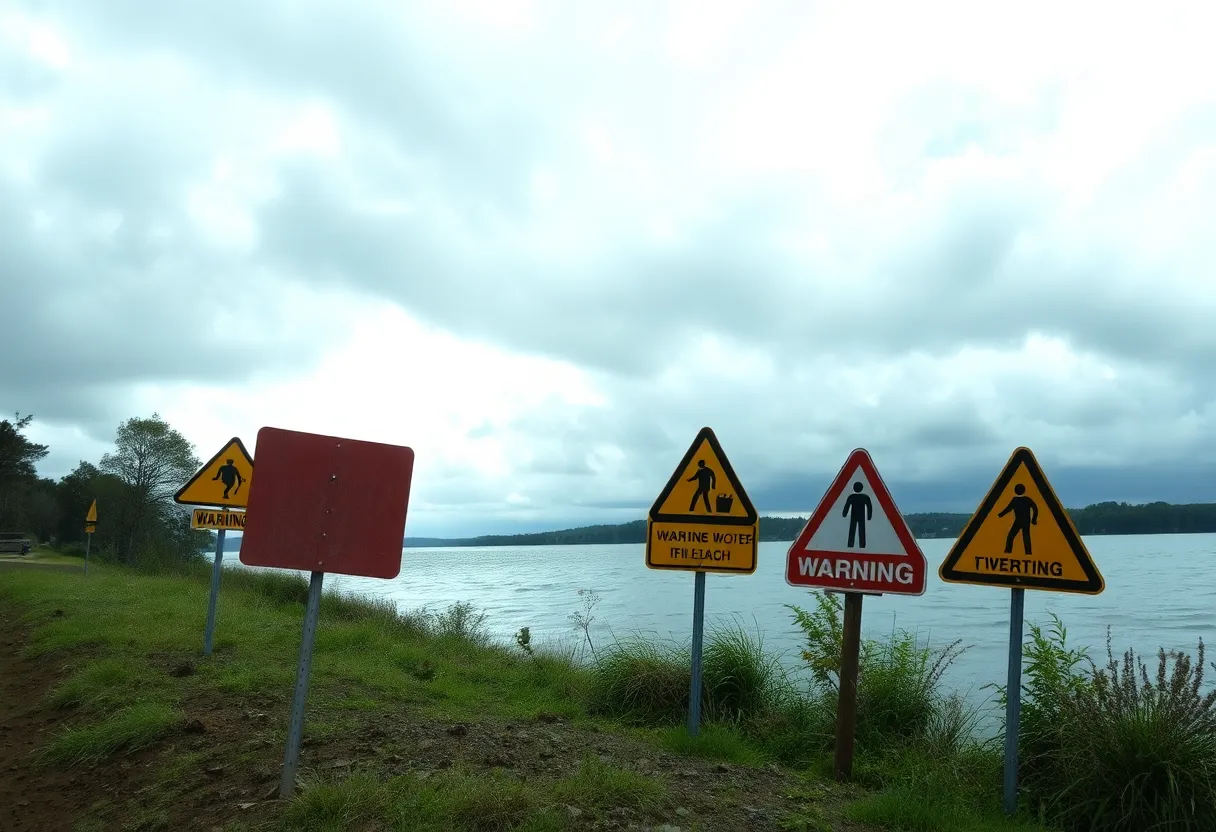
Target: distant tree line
{"type": "Point", "coordinates": [133, 485]}
{"type": "Point", "coordinates": [1100, 518]}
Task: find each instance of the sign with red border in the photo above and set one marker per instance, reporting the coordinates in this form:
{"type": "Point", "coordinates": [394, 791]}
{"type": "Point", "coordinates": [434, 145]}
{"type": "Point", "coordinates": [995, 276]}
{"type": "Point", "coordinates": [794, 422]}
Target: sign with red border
{"type": "Point", "coordinates": [856, 540]}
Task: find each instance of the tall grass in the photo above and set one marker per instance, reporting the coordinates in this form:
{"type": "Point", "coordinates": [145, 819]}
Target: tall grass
{"type": "Point", "coordinates": [642, 681]}
{"type": "Point", "coordinates": [739, 677]}
{"type": "Point", "coordinates": [648, 682]}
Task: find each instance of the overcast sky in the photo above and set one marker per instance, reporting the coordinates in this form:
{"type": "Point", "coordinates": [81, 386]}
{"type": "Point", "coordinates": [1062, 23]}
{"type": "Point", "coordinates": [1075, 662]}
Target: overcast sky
{"type": "Point", "coordinates": [543, 243]}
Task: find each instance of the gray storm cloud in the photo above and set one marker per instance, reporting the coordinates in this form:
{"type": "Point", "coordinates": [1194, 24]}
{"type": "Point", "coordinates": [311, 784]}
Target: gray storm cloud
{"type": "Point", "coordinates": [549, 195]}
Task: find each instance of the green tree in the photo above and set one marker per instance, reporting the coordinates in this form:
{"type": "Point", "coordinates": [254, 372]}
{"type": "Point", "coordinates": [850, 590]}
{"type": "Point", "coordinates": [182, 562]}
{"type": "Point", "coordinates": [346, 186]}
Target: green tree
{"type": "Point", "coordinates": [75, 492]}
{"type": "Point", "coordinates": [18, 456]}
{"type": "Point", "coordinates": [152, 460]}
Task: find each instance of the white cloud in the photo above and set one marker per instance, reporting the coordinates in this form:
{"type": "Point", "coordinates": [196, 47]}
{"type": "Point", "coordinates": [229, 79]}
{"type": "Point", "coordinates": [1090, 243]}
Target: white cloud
{"type": "Point", "coordinates": [544, 247]}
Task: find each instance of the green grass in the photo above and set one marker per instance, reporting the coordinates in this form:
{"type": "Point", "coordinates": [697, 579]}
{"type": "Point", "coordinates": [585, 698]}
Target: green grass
{"type": "Point", "coordinates": [599, 785]}
{"type": "Point", "coordinates": [118, 634]}
{"type": "Point", "coordinates": [102, 684]}
{"type": "Point", "coordinates": [712, 742]}
{"type": "Point", "coordinates": [450, 801]}
{"type": "Point", "coordinates": [129, 729]}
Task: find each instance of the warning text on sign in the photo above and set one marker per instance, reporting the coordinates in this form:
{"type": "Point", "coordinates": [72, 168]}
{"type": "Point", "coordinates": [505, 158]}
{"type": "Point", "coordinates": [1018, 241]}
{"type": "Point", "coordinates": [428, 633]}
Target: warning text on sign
{"type": "Point", "coordinates": [697, 547]}
{"type": "Point", "coordinates": [202, 518]}
{"type": "Point", "coordinates": [1018, 566]}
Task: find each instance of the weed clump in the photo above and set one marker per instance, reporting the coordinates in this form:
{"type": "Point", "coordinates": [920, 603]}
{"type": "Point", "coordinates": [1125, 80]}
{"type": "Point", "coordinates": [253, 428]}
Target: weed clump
{"type": "Point", "coordinates": [1116, 748]}
{"type": "Point", "coordinates": [739, 679]}
{"type": "Point", "coordinates": [642, 681]}
{"type": "Point", "coordinates": [897, 681]}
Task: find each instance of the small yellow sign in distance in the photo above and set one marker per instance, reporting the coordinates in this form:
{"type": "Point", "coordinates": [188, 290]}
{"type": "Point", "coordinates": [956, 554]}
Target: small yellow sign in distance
{"type": "Point", "coordinates": [91, 517]}
{"type": "Point", "coordinates": [1021, 537]}
{"type": "Point", "coordinates": [89, 528]}
{"type": "Point", "coordinates": [703, 520]}
{"type": "Point", "coordinates": [206, 518]}
{"type": "Point", "coordinates": [223, 481]}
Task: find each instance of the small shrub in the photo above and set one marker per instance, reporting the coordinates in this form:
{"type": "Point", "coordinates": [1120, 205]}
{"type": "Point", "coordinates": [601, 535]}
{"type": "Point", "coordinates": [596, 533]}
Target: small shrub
{"type": "Point", "coordinates": [1140, 752]}
{"type": "Point", "coordinates": [795, 729]}
{"type": "Point", "coordinates": [523, 639]}
{"type": "Point", "coordinates": [897, 680]}
{"type": "Point", "coordinates": [642, 681]}
{"type": "Point", "coordinates": [460, 620]}
{"type": "Point", "coordinates": [491, 802]}
{"type": "Point", "coordinates": [897, 687]}
{"type": "Point", "coordinates": [354, 803]}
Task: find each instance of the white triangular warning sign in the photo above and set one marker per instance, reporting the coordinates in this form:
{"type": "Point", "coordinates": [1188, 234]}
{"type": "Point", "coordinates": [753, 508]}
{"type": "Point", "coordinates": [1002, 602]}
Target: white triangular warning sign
{"type": "Point", "coordinates": [856, 539]}
{"type": "Point", "coordinates": [704, 489]}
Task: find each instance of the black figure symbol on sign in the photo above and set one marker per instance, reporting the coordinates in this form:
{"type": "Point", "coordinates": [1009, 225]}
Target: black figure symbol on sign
{"type": "Point", "coordinates": [231, 476]}
{"type": "Point", "coordinates": [860, 509]}
{"type": "Point", "coordinates": [1025, 515]}
{"type": "Point", "coordinates": [706, 480]}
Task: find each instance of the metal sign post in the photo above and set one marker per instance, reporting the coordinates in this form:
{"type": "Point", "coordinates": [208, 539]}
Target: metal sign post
{"type": "Point", "coordinates": [295, 731]}
{"type": "Point", "coordinates": [90, 526]}
{"type": "Point", "coordinates": [698, 629]}
{"type": "Point", "coordinates": [1013, 699]}
{"type": "Point", "coordinates": [216, 569]}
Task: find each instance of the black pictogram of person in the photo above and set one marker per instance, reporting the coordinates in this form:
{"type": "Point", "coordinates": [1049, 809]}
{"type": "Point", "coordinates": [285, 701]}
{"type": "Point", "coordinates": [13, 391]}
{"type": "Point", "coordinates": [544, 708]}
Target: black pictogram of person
{"type": "Point", "coordinates": [706, 480]}
{"type": "Point", "coordinates": [859, 509]}
{"type": "Point", "coordinates": [1025, 515]}
{"type": "Point", "coordinates": [230, 476]}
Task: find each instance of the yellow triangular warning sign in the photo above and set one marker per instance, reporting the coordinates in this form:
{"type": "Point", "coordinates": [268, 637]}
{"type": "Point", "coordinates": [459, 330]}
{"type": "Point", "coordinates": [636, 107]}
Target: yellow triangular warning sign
{"type": "Point", "coordinates": [91, 517]}
{"type": "Point", "coordinates": [1021, 537]}
{"type": "Point", "coordinates": [223, 481]}
{"type": "Point", "coordinates": [704, 489]}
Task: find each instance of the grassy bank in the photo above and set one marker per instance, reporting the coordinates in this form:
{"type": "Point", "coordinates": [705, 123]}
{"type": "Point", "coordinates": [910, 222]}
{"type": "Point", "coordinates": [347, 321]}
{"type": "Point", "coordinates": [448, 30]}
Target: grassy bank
{"type": "Point", "coordinates": [416, 721]}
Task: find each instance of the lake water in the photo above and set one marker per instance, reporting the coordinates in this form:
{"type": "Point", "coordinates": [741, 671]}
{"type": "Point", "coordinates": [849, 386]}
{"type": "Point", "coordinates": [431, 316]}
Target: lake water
{"type": "Point", "coordinates": [1160, 592]}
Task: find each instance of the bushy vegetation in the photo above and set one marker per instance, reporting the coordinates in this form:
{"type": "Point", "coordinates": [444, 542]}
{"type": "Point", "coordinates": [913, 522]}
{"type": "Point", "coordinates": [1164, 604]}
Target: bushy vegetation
{"type": "Point", "coordinates": [897, 680]}
{"type": "Point", "coordinates": [1115, 747]}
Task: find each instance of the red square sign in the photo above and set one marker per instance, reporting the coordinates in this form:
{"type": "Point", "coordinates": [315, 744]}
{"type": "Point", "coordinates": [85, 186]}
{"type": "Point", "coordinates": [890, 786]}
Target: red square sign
{"type": "Point", "coordinates": [325, 504]}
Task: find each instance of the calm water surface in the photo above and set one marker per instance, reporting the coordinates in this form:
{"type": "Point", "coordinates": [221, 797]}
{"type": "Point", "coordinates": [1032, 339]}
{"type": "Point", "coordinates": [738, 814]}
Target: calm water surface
{"type": "Point", "coordinates": [1160, 592]}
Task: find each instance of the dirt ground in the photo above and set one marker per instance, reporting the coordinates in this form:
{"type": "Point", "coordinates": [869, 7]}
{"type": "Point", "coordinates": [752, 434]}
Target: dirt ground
{"type": "Point", "coordinates": [232, 754]}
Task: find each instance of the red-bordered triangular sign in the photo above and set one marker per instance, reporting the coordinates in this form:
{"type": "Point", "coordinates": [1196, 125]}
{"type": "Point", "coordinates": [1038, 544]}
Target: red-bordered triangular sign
{"type": "Point", "coordinates": [856, 540]}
